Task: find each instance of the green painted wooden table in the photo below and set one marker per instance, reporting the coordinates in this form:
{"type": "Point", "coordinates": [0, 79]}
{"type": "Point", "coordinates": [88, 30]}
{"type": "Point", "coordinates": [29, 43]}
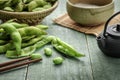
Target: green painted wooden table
{"type": "Point", "coordinates": [95, 66]}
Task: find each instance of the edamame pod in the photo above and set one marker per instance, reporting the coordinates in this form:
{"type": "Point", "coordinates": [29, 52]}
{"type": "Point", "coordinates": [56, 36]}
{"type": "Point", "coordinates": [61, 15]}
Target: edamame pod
{"type": "Point", "coordinates": [65, 48]}
{"type": "Point", "coordinates": [24, 52]}
{"type": "Point", "coordinates": [41, 3]}
{"type": "Point", "coordinates": [14, 34]}
{"type": "Point", "coordinates": [44, 41]}
{"type": "Point", "coordinates": [5, 47]}
{"type": "Point", "coordinates": [8, 9]}
{"type": "Point", "coordinates": [32, 41]}
{"type": "Point", "coordinates": [32, 5]}
{"type": "Point", "coordinates": [2, 42]}
{"type": "Point", "coordinates": [29, 31]}
{"type": "Point", "coordinates": [38, 9]}
{"type": "Point", "coordinates": [19, 7]}
{"type": "Point", "coordinates": [17, 25]}
{"type": "Point", "coordinates": [43, 27]}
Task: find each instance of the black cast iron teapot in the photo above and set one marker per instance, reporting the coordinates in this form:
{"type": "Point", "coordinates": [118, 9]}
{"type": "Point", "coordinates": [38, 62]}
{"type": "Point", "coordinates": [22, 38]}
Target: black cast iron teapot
{"type": "Point", "coordinates": [109, 40]}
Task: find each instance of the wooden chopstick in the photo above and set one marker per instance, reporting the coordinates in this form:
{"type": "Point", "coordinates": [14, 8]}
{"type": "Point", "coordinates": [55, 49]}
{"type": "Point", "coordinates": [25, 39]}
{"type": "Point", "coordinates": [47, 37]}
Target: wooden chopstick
{"type": "Point", "coordinates": [13, 61]}
{"type": "Point", "coordinates": [6, 66]}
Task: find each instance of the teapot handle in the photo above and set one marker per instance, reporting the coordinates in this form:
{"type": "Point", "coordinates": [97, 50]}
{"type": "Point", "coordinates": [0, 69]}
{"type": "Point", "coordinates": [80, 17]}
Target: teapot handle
{"type": "Point", "coordinates": [106, 24]}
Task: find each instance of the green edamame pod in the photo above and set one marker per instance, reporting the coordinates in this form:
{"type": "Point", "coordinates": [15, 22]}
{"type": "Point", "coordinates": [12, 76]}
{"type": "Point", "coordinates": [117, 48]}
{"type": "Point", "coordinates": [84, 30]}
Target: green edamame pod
{"type": "Point", "coordinates": [32, 5]}
{"type": "Point", "coordinates": [44, 41]}
{"type": "Point", "coordinates": [27, 38]}
{"type": "Point", "coordinates": [17, 25]}
{"type": "Point", "coordinates": [5, 47]}
{"type": "Point", "coordinates": [14, 34]}
{"type": "Point", "coordinates": [58, 60]}
{"type": "Point", "coordinates": [28, 31]}
{"type": "Point", "coordinates": [41, 3]}
{"type": "Point", "coordinates": [9, 21]}
{"type": "Point", "coordinates": [8, 3]}
{"type": "Point", "coordinates": [48, 51]}
{"type": "Point", "coordinates": [47, 6]}
{"type": "Point", "coordinates": [8, 9]}
{"type": "Point", "coordinates": [24, 52]}
{"type": "Point", "coordinates": [2, 42]}
{"type": "Point", "coordinates": [65, 48]}
{"type": "Point", "coordinates": [43, 27]}
{"type": "Point", "coordinates": [15, 2]}
{"type": "Point", "coordinates": [3, 1]}
{"type": "Point", "coordinates": [38, 9]}
{"type": "Point", "coordinates": [27, 1]}
{"type": "Point", "coordinates": [19, 7]}
{"type": "Point", "coordinates": [35, 56]}
{"type": "Point", "coordinates": [32, 41]}
{"type": "Point", "coordinates": [4, 36]}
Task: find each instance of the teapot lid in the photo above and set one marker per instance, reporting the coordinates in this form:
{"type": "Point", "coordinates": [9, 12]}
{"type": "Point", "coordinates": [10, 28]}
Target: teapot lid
{"type": "Point", "coordinates": [114, 30]}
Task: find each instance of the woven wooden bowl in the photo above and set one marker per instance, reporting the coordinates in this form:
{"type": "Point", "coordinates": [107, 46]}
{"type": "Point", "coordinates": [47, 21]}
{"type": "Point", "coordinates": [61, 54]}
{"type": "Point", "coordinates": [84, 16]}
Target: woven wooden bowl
{"type": "Point", "coordinates": [30, 18]}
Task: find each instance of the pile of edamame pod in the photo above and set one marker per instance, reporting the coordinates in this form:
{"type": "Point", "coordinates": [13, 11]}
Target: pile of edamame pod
{"type": "Point", "coordinates": [26, 5]}
{"type": "Point", "coordinates": [20, 40]}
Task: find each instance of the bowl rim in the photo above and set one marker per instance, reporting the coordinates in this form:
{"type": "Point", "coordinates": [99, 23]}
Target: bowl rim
{"type": "Point", "coordinates": [30, 13]}
{"type": "Point", "coordinates": [92, 7]}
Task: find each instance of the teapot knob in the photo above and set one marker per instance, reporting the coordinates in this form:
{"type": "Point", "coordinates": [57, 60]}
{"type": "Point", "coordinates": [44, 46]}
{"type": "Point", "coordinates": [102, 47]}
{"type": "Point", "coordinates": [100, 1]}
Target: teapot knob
{"type": "Point", "coordinates": [118, 28]}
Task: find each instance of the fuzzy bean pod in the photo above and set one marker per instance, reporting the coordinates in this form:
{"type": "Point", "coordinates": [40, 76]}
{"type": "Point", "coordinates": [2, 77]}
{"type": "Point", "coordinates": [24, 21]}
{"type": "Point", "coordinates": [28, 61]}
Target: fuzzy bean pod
{"type": "Point", "coordinates": [2, 42]}
{"type": "Point", "coordinates": [19, 7]}
{"type": "Point", "coordinates": [65, 48]}
{"type": "Point", "coordinates": [44, 41]}
{"type": "Point", "coordinates": [8, 9]}
{"type": "Point", "coordinates": [5, 47]}
{"type": "Point", "coordinates": [29, 31]}
{"type": "Point", "coordinates": [24, 52]}
{"type": "Point", "coordinates": [43, 27]}
{"type": "Point", "coordinates": [17, 25]}
{"type": "Point", "coordinates": [32, 41]}
{"type": "Point", "coordinates": [14, 34]}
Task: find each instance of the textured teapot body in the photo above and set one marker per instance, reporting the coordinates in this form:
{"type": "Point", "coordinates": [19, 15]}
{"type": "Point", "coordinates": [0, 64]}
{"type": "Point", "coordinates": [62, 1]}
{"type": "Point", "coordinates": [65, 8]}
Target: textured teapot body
{"type": "Point", "coordinates": [109, 40]}
{"type": "Point", "coordinates": [109, 45]}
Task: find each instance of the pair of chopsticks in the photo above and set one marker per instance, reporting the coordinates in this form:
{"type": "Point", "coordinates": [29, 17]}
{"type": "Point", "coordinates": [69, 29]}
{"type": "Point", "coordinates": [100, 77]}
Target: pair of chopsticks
{"type": "Point", "coordinates": [16, 63]}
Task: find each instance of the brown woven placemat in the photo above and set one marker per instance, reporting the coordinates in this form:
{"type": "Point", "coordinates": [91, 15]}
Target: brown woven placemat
{"type": "Point", "coordinates": [65, 21]}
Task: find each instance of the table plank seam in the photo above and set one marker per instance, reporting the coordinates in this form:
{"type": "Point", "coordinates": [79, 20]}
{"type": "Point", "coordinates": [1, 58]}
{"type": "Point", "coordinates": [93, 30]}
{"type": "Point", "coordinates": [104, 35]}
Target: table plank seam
{"type": "Point", "coordinates": [89, 57]}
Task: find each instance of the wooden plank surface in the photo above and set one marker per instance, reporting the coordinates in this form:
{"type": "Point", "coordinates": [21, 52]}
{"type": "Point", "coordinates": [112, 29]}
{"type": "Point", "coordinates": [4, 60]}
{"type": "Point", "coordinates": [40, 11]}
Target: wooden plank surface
{"type": "Point", "coordinates": [15, 74]}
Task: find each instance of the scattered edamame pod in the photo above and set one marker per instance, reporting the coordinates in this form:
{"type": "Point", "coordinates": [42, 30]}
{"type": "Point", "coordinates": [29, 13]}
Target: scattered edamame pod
{"type": "Point", "coordinates": [58, 60]}
{"type": "Point", "coordinates": [65, 48]}
{"type": "Point", "coordinates": [32, 41]}
{"type": "Point", "coordinates": [48, 51]}
{"type": "Point", "coordinates": [36, 56]}
{"type": "Point", "coordinates": [44, 41]}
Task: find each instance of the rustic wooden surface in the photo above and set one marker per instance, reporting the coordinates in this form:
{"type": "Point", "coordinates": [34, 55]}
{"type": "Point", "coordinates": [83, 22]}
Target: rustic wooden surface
{"type": "Point", "coordinates": [95, 66]}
